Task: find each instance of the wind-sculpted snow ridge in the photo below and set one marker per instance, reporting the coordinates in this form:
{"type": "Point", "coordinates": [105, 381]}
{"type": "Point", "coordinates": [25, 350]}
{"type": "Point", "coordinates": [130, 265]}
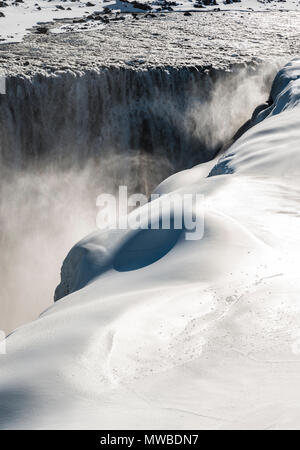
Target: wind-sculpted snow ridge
{"type": "Point", "coordinates": [206, 335]}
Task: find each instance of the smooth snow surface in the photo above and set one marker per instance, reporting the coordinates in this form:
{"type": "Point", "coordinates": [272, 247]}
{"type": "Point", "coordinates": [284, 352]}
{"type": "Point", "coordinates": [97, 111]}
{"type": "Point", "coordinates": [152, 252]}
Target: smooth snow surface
{"type": "Point", "coordinates": [208, 335]}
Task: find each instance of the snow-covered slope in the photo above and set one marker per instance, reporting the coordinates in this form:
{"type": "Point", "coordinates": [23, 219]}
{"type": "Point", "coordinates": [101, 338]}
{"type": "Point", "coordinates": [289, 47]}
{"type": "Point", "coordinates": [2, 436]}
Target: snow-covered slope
{"type": "Point", "coordinates": [208, 335]}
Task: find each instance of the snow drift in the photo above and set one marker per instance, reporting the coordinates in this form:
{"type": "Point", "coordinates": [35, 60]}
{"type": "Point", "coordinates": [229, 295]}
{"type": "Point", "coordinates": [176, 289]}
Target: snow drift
{"type": "Point", "coordinates": [207, 335]}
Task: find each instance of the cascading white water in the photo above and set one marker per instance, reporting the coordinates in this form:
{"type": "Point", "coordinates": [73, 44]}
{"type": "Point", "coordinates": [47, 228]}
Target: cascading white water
{"type": "Point", "coordinates": [182, 114]}
{"type": "Point", "coordinates": [68, 137]}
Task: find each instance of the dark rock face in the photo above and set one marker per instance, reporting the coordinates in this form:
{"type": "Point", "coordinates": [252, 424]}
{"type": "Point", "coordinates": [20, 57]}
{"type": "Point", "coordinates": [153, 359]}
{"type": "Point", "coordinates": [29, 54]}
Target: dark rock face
{"type": "Point", "coordinates": [2, 14]}
{"type": "Point", "coordinates": [143, 6]}
{"type": "Point", "coordinates": [187, 13]}
{"type": "Point", "coordinates": [42, 30]}
{"type": "Point", "coordinates": [3, 4]}
{"type": "Point", "coordinates": [203, 3]}
{"type": "Point", "coordinates": [98, 16]}
{"type": "Point", "coordinates": [79, 20]}
{"type": "Point", "coordinates": [166, 5]}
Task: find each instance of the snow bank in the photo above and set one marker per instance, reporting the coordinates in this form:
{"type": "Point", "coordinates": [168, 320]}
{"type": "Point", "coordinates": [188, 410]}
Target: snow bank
{"type": "Point", "coordinates": [206, 335]}
{"type": "Point", "coordinates": [250, 155]}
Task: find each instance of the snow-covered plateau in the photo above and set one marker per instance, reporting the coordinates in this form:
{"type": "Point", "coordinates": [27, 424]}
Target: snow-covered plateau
{"type": "Point", "coordinates": [204, 336]}
{"type": "Point", "coordinates": [19, 18]}
{"type": "Point", "coordinates": [205, 40]}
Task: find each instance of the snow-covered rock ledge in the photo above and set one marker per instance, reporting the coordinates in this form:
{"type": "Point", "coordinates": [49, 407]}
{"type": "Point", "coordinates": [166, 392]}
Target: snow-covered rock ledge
{"type": "Point", "coordinates": [207, 336]}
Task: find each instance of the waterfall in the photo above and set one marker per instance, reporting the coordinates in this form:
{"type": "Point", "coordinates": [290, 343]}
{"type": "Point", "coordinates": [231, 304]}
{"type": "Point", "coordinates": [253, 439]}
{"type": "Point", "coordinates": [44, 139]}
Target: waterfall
{"type": "Point", "coordinates": [165, 114]}
{"type": "Point", "coordinates": [67, 137]}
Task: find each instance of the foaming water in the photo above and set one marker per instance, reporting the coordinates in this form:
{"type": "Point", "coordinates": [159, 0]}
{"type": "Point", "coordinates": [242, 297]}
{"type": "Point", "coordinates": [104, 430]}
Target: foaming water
{"type": "Point", "coordinates": [66, 138]}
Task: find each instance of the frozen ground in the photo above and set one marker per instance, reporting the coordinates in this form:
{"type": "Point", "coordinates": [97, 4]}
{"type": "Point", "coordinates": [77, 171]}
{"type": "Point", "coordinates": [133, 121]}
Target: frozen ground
{"type": "Point", "coordinates": [169, 333]}
{"type": "Point", "coordinates": [18, 17]}
{"type": "Point", "coordinates": [216, 40]}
